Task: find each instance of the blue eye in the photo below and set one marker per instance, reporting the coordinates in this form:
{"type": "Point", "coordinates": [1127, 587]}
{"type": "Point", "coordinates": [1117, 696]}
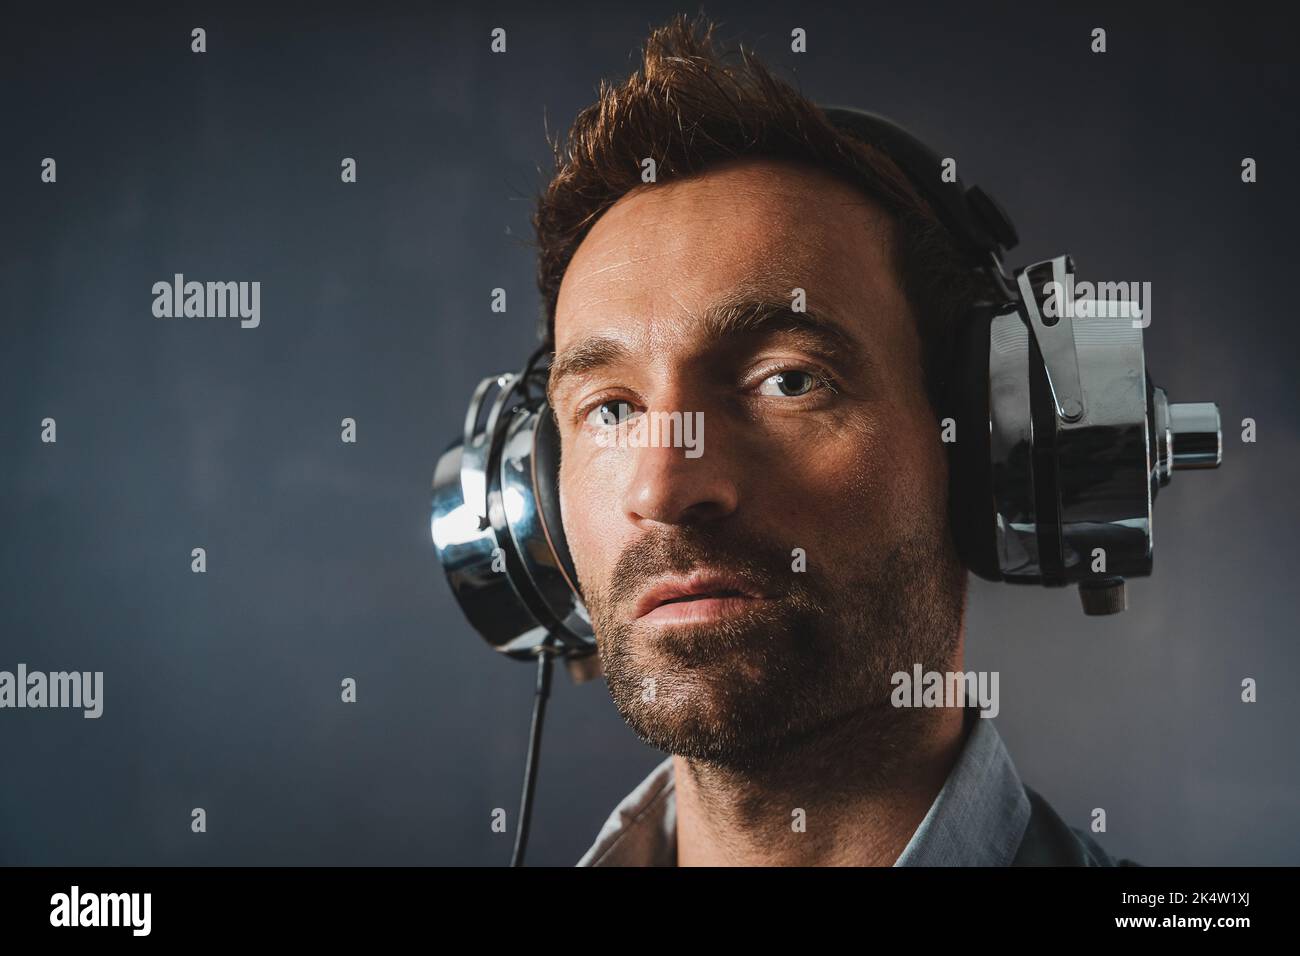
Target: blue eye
{"type": "Point", "coordinates": [609, 414]}
{"type": "Point", "coordinates": [788, 384]}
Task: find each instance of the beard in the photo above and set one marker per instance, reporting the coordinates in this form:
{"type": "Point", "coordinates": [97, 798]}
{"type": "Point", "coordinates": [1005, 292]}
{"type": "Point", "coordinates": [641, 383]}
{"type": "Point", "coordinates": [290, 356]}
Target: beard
{"type": "Point", "coordinates": [745, 692]}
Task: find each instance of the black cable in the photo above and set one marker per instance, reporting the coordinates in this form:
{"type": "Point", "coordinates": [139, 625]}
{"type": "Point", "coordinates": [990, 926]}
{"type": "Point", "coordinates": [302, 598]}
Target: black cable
{"type": "Point", "coordinates": [544, 655]}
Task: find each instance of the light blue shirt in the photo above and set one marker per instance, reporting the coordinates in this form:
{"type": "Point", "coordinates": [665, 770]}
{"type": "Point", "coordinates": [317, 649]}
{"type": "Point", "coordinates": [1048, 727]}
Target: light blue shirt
{"type": "Point", "coordinates": [978, 818]}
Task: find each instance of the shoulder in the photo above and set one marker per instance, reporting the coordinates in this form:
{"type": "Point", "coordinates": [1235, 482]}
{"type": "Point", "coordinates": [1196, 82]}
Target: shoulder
{"type": "Point", "coordinates": [642, 830]}
{"type": "Point", "coordinates": [1049, 841]}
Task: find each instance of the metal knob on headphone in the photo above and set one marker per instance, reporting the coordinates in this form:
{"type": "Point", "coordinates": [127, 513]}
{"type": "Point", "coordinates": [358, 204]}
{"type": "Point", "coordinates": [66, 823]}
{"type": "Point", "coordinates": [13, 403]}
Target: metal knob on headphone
{"type": "Point", "coordinates": [1188, 435]}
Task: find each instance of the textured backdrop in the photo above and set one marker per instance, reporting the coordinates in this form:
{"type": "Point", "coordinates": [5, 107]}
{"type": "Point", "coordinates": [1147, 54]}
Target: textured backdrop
{"type": "Point", "coordinates": [221, 690]}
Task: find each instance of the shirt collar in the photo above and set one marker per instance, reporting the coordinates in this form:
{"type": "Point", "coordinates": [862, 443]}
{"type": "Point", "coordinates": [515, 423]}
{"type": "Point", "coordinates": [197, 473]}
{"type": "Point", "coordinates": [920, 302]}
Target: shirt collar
{"type": "Point", "coordinates": [978, 818]}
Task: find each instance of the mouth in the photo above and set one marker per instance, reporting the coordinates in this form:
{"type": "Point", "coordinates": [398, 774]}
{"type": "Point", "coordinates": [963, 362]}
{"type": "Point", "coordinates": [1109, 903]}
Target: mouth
{"type": "Point", "coordinates": [696, 598]}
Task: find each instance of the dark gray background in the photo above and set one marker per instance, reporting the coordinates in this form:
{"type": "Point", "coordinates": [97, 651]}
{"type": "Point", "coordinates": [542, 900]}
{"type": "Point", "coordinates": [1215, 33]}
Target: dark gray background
{"type": "Point", "coordinates": [222, 690]}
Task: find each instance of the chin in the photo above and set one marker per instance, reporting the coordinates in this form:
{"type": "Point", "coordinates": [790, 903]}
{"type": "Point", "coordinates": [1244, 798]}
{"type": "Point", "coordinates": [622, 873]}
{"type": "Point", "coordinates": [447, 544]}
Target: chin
{"type": "Point", "coordinates": [711, 709]}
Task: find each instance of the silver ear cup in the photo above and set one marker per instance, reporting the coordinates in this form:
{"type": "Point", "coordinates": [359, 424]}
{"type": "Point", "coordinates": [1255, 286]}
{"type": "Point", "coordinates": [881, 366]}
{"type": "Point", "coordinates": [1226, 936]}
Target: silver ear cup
{"type": "Point", "coordinates": [489, 535]}
{"type": "Point", "coordinates": [1080, 443]}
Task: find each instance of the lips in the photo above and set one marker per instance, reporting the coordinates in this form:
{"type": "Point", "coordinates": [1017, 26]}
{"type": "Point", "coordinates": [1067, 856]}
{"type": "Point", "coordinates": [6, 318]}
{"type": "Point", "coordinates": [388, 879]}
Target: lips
{"type": "Point", "coordinates": [699, 586]}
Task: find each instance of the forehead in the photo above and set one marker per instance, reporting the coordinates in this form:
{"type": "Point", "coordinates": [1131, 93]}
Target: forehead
{"type": "Point", "coordinates": [663, 253]}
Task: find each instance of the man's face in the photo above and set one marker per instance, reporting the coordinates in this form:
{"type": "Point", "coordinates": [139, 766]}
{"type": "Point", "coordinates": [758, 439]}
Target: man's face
{"type": "Point", "coordinates": [802, 547]}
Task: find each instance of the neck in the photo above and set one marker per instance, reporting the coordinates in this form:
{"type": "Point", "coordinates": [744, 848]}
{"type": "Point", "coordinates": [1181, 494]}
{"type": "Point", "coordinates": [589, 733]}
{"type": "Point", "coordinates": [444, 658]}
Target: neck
{"type": "Point", "coordinates": [863, 785]}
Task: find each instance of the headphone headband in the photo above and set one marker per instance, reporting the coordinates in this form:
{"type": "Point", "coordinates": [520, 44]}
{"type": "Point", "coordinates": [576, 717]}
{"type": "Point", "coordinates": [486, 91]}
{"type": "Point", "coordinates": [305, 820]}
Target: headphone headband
{"type": "Point", "coordinates": [975, 218]}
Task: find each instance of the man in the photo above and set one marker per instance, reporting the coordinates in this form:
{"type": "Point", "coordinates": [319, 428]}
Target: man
{"type": "Point", "coordinates": [712, 249]}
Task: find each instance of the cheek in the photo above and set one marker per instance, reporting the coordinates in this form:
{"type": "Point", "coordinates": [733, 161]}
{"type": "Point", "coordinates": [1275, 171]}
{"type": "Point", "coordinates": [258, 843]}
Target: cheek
{"type": "Point", "coordinates": [592, 524]}
{"type": "Point", "coordinates": [866, 486]}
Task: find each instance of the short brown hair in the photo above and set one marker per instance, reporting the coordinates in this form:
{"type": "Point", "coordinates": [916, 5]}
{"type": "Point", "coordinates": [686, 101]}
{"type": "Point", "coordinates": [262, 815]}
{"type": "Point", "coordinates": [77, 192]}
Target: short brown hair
{"type": "Point", "coordinates": [691, 106]}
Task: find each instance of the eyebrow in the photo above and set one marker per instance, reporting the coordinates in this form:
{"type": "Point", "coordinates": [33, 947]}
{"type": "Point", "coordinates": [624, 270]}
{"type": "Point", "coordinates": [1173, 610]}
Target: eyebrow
{"type": "Point", "coordinates": [745, 314]}
{"type": "Point", "coordinates": [748, 314]}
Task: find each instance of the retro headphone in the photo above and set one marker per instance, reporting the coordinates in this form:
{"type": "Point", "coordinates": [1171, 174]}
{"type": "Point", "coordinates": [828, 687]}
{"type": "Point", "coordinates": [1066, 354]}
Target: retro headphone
{"type": "Point", "coordinates": [1062, 444]}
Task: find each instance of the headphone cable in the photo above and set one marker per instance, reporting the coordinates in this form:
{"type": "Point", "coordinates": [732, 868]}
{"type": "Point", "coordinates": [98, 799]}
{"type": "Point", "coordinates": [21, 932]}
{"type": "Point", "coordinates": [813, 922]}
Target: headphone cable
{"type": "Point", "coordinates": [544, 661]}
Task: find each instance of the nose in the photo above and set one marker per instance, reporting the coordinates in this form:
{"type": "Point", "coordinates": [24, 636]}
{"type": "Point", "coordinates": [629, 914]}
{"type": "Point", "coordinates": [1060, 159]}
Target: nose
{"type": "Point", "coordinates": [669, 486]}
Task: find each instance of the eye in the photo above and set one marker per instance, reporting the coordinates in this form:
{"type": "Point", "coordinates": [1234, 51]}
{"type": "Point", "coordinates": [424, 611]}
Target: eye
{"type": "Point", "coordinates": [609, 414]}
{"type": "Point", "coordinates": [788, 384]}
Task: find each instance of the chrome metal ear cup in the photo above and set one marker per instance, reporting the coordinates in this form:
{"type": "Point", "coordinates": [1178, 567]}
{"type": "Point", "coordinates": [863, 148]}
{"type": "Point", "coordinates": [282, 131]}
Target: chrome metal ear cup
{"type": "Point", "coordinates": [497, 536]}
{"type": "Point", "coordinates": [1062, 444]}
